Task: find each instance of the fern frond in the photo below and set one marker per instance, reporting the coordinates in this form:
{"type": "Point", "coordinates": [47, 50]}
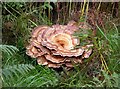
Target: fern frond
{"type": "Point", "coordinates": [8, 50]}
{"type": "Point", "coordinates": [10, 71]}
{"type": "Point", "coordinates": [39, 79]}
{"type": "Point", "coordinates": [29, 77]}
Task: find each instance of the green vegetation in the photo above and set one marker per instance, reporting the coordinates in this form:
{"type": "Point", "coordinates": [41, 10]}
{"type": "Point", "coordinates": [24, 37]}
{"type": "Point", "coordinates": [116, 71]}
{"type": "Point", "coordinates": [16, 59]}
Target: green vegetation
{"type": "Point", "coordinates": [102, 69]}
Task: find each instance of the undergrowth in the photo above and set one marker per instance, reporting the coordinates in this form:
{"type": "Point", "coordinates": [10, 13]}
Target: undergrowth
{"type": "Point", "coordinates": [102, 69]}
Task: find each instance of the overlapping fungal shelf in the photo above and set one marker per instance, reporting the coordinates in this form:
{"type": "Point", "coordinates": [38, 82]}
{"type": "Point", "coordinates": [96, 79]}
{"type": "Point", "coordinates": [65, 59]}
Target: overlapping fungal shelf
{"type": "Point", "coordinates": [54, 46]}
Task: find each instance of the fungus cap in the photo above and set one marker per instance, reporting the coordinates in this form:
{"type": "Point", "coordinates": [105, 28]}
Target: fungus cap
{"type": "Point", "coordinates": [55, 45]}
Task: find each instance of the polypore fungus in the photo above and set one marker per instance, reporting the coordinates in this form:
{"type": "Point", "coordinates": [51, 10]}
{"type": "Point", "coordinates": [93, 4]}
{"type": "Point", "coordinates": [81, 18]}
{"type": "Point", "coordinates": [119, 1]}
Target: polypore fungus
{"type": "Point", "coordinates": [55, 46]}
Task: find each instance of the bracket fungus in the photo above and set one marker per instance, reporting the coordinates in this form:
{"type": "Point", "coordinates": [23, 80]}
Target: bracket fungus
{"type": "Point", "coordinates": [54, 46]}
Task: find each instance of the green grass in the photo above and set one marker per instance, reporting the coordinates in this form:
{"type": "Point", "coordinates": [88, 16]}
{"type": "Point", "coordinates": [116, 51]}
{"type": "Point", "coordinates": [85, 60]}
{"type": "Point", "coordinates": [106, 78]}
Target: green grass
{"type": "Point", "coordinates": [102, 69]}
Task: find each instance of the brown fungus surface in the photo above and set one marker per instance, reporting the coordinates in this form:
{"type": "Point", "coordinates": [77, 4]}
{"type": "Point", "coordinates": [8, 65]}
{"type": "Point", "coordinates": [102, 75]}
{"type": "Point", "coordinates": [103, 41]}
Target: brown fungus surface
{"type": "Point", "coordinates": [55, 46]}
